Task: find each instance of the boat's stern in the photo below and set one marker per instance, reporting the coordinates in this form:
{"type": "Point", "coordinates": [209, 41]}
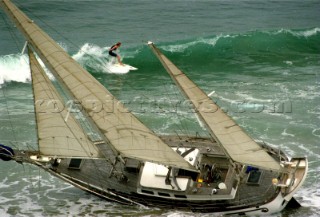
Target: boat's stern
{"type": "Point", "coordinates": [292, 178]}
{"type": "Point", "coordinates": [295, 173]}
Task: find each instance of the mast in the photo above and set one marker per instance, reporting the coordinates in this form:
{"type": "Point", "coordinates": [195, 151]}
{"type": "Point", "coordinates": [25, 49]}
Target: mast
{"type": "Point", "coordinates": [122, 130]}
{"type": "Point", "coordinates": [236, 143]}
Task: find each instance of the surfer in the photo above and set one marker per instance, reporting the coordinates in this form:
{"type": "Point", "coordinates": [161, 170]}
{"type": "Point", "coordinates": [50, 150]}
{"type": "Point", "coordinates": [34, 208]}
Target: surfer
{"type": "Point", "coordinates": [112, 49]}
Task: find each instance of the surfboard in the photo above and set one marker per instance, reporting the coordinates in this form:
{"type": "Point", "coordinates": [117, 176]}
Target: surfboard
{"type": "Point", "coordinates": [126, 66]}
{"type": "Point", "coordinates": [118, 68]}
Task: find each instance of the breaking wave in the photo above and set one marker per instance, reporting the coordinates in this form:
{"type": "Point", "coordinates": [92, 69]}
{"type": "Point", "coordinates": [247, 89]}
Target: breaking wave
{"type": "Point", "coordinates": [236, 49]}
{"type": "Point", "coordinates": [14, 67]}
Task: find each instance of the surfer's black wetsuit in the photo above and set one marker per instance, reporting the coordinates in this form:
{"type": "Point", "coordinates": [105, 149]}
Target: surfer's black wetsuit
{"type": "Point", "coordinates": [111, 53]}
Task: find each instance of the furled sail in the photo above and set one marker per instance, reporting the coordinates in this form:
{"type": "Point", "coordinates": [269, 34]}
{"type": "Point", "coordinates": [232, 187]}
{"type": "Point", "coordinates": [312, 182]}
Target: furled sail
{"type": "Point", "coordinates": [237, 144]}
{"type": "Point", "coordinates": [59, 134]}
{"type": "Point", "coordinates": [122, 130]}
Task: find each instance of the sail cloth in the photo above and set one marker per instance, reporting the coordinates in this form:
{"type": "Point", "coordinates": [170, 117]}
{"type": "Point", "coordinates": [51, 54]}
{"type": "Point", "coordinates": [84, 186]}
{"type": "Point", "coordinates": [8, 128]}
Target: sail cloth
{"type": "Point", "coordinates": [121, 128]}
{"type": "Point", "coordinates": [59, 134]}
{"type": "Point", "coordinates": [237, 144]}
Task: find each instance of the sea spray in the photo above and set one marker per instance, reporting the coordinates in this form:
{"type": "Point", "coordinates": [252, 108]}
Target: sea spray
{"type": "Point", "coordinates": [14, 67]}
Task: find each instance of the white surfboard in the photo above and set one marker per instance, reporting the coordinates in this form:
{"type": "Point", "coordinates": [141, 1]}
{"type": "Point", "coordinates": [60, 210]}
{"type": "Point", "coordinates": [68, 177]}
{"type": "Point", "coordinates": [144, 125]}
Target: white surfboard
{"type": "Point", "coordinates": [121, 69]}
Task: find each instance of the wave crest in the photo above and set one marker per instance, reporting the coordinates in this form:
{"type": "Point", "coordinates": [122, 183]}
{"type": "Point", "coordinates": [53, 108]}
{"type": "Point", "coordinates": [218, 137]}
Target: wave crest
{"type": "Point", "coordinates": [14, 67]}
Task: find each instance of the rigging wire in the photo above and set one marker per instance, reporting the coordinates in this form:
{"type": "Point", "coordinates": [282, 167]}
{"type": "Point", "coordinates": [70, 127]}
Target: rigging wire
{"type": "Point", "coordinates": [53, 94]}
{"type": "Point", "coordinates": [12, 31]}
{"type": "Point", "coordinates": [179, 116]}
{"type": "Point", "coordinates": [183, 126]}
{"type": "Point", "coordinates": [8, 113]}
{"type": "Point", "coordinates": [71, 42]}
{"type": "Point", "coordinates": [16, 40]}
{"type": "Point", "coordinates": [46, 24]}
{"type": "Point", "coordinates": [120, 79]}
{"type": "Point", "coordinates": [17, 43]}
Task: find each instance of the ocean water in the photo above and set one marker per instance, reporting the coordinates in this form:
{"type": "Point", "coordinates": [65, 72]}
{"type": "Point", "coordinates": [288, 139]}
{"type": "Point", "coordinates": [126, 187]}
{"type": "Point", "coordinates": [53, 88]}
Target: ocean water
{"type": "Point", "coordinates": [261, 59]}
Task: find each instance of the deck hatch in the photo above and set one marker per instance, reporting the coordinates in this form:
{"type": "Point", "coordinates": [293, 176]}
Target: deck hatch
{"type": "Point", "coordinates": [75, 163]}
{"type": "Point", "coordinates": [254, 177]}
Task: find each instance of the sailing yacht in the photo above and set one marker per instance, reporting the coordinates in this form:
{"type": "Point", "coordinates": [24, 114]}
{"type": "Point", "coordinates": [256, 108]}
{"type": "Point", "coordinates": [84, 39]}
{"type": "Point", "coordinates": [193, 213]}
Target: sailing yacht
{"type": "Point", "coordinates": [116, 157]}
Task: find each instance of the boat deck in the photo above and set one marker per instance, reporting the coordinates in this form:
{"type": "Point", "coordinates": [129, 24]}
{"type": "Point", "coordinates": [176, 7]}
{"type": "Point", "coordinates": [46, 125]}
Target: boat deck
{"type": "Point", "coordinates": [253, 186]}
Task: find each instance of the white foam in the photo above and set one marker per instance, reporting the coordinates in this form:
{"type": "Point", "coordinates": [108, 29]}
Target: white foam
{"type": "Point", "coordinates": [112, 68]}
{"type": "Point", "coordinates": [14, 67]}
{"type": "Point", "coordinates": [310, 196]}
{"type": "Point", "coordinates": [182, 47]}
{"type": "Point", "coordinates": [284, 133]}
{"type": "Point", "coordinates": [98, 58]}
{"type": "Point", "coordinates": [316, 132]}
{"type": "Point", "coordinates": [309, 152]}
{"type": "Point", "coordinates": [308, 33]}
{"type": "Point", "coordinates": [309, 92]}
{"type": "Point", "coordinates": [288, 62]}
{"type": "Point", "coordinates": [91, 50]}
{"type": "Point", "coordinates": [304, 33]}
{"type": "Point", "coordinates": [248, 103]}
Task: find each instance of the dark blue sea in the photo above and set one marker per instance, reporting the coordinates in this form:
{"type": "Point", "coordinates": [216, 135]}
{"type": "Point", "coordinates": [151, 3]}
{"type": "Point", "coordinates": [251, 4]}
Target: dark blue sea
{"type": "Point", "coordinates": [262, 59]}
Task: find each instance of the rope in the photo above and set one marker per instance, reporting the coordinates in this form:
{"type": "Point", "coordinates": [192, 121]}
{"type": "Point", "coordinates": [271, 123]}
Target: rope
{"type": "Point", "coordinates": [46, 24]}
{"type": "Point", "coordinates": [7, 109]}
{"type": "Point", "coordinates": [12, 31]}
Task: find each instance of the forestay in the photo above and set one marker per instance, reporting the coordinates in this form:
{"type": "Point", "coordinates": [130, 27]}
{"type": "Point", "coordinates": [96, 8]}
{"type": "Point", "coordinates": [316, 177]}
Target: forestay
{"type": "Point", "coordinates": [237, 144]}
{"type": "Point", "coordinates": [122, 129]}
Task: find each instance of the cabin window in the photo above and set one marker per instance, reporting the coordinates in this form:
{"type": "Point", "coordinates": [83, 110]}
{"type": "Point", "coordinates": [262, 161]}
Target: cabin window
{"type": "Point", "coordinates": [147, 192]}
{"type": "Point", "coordinates": [163, 194]}
{"type": "Point", "coordinates": [75, 163]}
{"type": "Point", "coordinates": [254, 177]}
{"type": "Point", "coordinates": [132, 165]}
